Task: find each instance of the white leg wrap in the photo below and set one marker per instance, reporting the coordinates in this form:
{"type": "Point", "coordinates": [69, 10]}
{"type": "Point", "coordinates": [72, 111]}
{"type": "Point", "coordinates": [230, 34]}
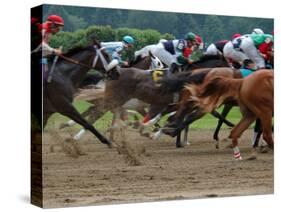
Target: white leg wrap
{"type": "Point", "coordinates": [157, 135]}
{"type": "Point", "coordinates": [79, 134]}
{"type": "Point", "coordinates": [237, 154]}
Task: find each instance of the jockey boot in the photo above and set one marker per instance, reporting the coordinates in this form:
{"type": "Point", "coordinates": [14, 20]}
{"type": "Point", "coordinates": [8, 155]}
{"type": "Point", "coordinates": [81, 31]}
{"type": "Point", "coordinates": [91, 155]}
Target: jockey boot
{"type": "Point", "coordinates": [173, 68]}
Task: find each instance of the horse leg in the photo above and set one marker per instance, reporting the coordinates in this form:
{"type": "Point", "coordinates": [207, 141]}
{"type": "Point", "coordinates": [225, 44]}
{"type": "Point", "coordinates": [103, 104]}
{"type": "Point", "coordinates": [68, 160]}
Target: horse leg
{"type": "Point", "coordinates": [267, 129]}
{"type": "Point", "coordinates": [237, 131]}
{"type": "Point", "coordinates": [178, 140]}
{"type": "Point", "coordinates": [224, 113]}
{"type": "Point", "coordinates": [185, 138]}
{"type": "Point", "coordinates": [257, 133]}
{"type": "Point", "coordinates": [185, 142]}
{"type": "Point", "coordinates": [117, 122]}
{"type": "Point", "coordinates": [220, 117]}
{"type": "Point", "coordinates": [86, 113]}
{"type": "Point", "coordinates": [66, 108]}
{"type": "Point", "coordinates": [174, 128]}
{"type": "Point", "coordinates": [93, 117]}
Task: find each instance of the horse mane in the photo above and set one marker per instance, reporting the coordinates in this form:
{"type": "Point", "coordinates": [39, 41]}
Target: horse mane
{"type": "Point", "coordinates": [220, 88]}
{"type": "Point", "coordinates": [214, 92]}
{"type": "Point", "coordinates": [136, 60]}
{"type": "Point", "coordinates": [216, 86]}
{"type": "Point", "coordinates": [77, 49]}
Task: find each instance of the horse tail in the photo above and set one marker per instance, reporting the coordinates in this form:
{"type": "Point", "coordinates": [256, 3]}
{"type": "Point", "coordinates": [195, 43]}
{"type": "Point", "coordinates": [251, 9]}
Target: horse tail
{"type": "Point", "coordinates": [177, 82]}
{"type": "Point", "coordinates": [214, 92]}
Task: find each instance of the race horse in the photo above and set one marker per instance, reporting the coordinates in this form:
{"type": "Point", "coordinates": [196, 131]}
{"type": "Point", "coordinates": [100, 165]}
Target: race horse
{"type": "Point", "coordinates": [70, 70]}
{"type": "Point", "coordinates": [95, 111]}
{"type": "Point", "coordinates": [254, 95]}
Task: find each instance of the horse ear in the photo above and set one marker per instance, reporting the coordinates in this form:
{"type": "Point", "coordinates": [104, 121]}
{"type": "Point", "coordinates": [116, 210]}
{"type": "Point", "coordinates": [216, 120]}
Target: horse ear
{"type": "Point", "coordinates": [151, 55]}
{"type": "Point", "coordinates": [96, 43]}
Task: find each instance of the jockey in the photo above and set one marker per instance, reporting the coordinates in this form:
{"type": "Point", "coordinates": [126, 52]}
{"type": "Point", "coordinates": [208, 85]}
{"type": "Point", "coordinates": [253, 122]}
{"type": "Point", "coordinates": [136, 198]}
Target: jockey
{"type": "Point", "coordinates": [216, 48]}
{"type": "Point", "coordinates": [189, 47]}
{"type": "Point", "coordinates": [114, 49]}
{"type": "Point", "coordinates": [247, 47]}
{"type": "Point", "coordinates": [171, 52]}
{"type": "Point", "coordinates": [53, 25]}
{"type": "Point", "coordinates": [197, 50]}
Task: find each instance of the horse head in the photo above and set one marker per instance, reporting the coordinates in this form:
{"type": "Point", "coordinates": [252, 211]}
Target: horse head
{"type": "Point", "coordinates": [155, 62]}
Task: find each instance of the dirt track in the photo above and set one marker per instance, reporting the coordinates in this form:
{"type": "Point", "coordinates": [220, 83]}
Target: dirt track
{"type": "Point", "coordinates": [103, 176]}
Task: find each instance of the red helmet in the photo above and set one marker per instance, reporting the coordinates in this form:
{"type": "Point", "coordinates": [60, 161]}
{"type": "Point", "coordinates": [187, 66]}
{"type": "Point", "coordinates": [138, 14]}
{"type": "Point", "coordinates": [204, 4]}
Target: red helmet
{"type": "Point", "coordinates": [198, 39]}
{"type": "Point", "coordinates": [56, 19]}
{"type": "Point", "coordinates": [236, 36]}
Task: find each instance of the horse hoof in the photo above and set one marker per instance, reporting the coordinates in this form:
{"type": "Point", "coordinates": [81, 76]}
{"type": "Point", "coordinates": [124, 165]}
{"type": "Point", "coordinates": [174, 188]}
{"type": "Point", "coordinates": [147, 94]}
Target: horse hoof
{"type": "Point", "coordinates": [179, 145]}
{"type": "Point", "coordinates": [263, 149]}
{"type": "Point", "coordinates": [217, 144]}
{"type": "Point", "coordinates": [238, 159]}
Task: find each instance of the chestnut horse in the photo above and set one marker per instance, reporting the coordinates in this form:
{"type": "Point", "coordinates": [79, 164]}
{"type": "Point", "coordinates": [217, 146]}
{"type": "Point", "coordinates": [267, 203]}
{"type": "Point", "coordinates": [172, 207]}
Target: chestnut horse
{"type": "Point", "coordinates": [254, 95]}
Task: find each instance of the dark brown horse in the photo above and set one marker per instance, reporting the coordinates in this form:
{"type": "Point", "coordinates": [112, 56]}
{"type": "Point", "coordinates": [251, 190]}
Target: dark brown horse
{"type": "Point", "coordinates": [69, 71]}
{"type": "Point", "coordinates": [96, 110]}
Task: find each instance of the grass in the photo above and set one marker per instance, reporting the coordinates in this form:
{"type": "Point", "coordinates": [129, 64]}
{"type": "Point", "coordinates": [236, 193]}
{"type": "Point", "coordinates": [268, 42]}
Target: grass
{"type": "Point", "coordinates": [207, 122]}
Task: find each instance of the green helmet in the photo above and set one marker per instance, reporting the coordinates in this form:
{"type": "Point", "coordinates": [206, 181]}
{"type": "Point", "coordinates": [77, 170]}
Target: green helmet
{"type": "Point", "coordinates": [128, 39]}
{"type": "Point", "coordinates": [190, 36]}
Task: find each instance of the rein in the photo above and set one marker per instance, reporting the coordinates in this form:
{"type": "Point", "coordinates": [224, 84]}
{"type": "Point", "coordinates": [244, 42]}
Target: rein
{"type": "Point", "coordinates": [77, 62]}
{"type": "Point", "coordinates": [99, 55]}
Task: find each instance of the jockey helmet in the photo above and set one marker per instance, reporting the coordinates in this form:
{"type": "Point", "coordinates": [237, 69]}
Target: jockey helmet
{"type": "Point", "coordinates": [190, 36]}
{"type": "Point", "coordinates": [128, 39]}
{"type": "Point", "coordinates": [56, 19]}
{"type": "Point", "coordinates": [258, 31]}
{"type": "Point", "coordinates": [198, 39]}
{"type": "Point", "coordinates": [236, 35]}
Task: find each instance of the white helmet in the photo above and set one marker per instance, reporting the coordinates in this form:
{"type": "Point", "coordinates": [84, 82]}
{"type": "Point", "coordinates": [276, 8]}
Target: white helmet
{"type": "Point", "coordinates": [258, 31]}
